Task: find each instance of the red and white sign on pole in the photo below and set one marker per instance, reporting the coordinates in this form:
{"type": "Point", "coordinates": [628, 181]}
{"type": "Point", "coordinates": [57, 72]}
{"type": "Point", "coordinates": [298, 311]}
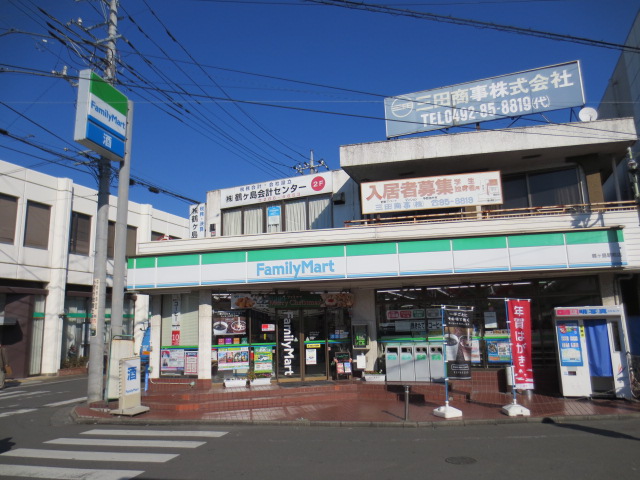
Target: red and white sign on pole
{"type": "Point", "coordinates": [519, 315]}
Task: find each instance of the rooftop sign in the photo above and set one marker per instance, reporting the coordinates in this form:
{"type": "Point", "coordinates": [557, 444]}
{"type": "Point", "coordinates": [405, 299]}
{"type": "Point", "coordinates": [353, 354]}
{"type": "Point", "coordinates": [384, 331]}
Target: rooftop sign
{"type": "Point", "coordinates": [101, 116]}
{"type": "Point", "coordinates": [445, 191]}
{"type": "Point", "coordinates": [523, 93]}
{"type": "Point", "coordinates": [274, 190]}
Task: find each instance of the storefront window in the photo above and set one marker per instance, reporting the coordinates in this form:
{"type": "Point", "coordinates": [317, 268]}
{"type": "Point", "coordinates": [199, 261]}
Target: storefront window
{"type": "Point", "coordinates": [179, 334]}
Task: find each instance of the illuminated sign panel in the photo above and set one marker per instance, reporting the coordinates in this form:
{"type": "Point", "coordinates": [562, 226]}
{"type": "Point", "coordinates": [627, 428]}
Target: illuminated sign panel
{"type": "Point", "coordinates": [523, 93]}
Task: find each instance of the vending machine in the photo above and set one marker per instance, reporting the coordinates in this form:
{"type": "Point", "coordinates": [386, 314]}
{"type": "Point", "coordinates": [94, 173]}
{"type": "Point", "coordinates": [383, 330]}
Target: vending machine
{"type": "Point", "coordinates": [592, 348]}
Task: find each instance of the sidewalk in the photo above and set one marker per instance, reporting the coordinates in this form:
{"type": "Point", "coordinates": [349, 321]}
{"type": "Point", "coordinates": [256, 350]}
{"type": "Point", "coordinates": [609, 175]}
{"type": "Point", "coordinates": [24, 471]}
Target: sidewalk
{"type": "Point", "coordinates": [351, 404]}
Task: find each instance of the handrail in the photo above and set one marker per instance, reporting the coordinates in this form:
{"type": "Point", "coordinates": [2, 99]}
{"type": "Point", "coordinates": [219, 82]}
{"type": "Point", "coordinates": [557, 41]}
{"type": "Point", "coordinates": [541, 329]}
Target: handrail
{"type": "Point", "coordinates": [493, 214]}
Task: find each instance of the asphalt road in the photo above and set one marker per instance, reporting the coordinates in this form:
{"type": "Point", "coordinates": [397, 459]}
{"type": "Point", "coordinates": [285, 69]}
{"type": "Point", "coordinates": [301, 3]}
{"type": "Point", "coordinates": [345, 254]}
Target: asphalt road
{"type": "Point", "coordinates": [42, 442]}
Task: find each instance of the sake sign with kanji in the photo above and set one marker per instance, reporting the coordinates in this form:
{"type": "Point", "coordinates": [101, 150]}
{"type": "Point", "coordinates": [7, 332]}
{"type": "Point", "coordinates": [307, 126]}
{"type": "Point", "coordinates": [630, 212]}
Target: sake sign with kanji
{"type": "Point", "coordinates": [523, 93]}
{"type": "Point", "coordinates": [101, 116]}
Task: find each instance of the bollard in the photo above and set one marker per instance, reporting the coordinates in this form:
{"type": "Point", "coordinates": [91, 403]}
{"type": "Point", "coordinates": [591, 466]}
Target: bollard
{"type": "Point", "coordinates": [406, 403]}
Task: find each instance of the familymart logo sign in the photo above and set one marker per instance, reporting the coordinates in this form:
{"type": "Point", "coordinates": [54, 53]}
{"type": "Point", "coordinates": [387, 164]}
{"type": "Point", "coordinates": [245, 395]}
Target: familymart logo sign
{"type": "Point", "coordinates": [101, 116]}
{"type": "Point", "coordinates": [299, 269]}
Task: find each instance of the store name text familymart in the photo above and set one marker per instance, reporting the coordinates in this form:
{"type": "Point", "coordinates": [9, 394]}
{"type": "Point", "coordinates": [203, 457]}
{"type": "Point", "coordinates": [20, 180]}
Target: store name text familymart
{"type": "Point", "coordinates": [295, 269]}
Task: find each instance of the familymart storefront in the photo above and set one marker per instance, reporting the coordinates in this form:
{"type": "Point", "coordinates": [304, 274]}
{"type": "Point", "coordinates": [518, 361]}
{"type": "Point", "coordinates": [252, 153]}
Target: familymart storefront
{"type": "Point", "coordinates": [209, 321]}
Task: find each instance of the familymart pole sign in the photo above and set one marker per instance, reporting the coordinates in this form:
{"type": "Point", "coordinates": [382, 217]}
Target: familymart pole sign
{"type": "Point", "coordinates": [101, 117]}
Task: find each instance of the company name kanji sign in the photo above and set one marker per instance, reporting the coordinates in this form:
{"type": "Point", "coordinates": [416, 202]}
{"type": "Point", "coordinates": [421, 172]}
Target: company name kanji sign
{"type": "Point", "coordinates": [284, 189]}
{"type": "Point", "coordinates": [101, 116]}
{"type": "Point", "coordinates": [523, 93]}
{"type": "Point", "coordinates": [432, 192]}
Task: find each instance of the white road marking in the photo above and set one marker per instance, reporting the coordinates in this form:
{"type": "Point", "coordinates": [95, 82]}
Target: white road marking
{"type": "Point", "coordinates": [66, 402]}
{"type": "Point", "coordinates": [156, 433]}
{"type": "Point", "coordinates": [108, 442]}
{"type": "Point", "coordinates": [66, 473]}
{"type": "Point", "coordinates": [90, 456]}
{"type": "Point", "coordinates": [17, 412]}
{"type": "Point", "coordinates": [17, 394]}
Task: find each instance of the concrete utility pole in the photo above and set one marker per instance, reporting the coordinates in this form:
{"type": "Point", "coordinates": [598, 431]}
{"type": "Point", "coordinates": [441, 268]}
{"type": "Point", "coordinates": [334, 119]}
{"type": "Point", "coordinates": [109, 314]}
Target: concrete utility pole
{"type": "Point", "coordinates": [95, 386]}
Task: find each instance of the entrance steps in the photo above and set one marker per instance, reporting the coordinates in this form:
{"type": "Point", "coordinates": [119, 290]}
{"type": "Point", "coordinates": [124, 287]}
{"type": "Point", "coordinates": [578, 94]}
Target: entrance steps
{"type": "Point", "coordinates": [220, 399]}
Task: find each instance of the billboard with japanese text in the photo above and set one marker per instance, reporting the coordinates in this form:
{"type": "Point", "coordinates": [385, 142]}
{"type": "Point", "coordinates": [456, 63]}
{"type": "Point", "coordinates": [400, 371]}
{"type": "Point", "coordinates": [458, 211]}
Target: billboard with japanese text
{"type": "Point", "coordinates": [523, 93]}
{"type": "Point", "coordinates": [425, 193]}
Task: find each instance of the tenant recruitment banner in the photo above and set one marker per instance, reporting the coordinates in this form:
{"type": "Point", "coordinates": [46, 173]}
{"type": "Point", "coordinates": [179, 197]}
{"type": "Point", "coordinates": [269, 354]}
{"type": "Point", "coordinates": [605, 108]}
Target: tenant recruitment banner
{"type": "Point", "coordinates": [519, 316]}
{"type": "Point", "coordinates": [457, 335]}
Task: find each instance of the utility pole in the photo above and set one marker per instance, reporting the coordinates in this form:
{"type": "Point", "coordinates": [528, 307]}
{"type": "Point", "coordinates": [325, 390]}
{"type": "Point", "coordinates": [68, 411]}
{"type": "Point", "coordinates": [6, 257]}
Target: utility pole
{"type": "Point", "coordinates": [95, 386]}
{"type": "Point", "coordinates": [311, 165]}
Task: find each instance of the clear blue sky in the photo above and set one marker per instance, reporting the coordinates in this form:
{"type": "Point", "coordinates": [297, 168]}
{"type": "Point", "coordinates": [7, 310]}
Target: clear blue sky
{"type": "Point", "coordinates": [184, 59]}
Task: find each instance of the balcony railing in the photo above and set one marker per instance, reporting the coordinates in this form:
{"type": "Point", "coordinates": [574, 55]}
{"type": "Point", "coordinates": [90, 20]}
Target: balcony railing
{"type": "Point", "coordinates": [494, 214]}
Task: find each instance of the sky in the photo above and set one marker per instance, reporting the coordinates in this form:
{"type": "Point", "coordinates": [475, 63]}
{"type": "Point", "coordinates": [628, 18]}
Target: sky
{"type": "Point", "coordinates": [235, 92]}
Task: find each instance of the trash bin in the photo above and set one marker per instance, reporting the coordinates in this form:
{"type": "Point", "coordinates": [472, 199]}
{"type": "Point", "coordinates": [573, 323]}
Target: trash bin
{"type": "Point", "coordinates": [407, 364]}
{"type": "Point", "coordinates": [422, 363]}
{"type": "Point", "coordinates": [436, 362]}
{"type": "Point", "coordinates": [392, 363]}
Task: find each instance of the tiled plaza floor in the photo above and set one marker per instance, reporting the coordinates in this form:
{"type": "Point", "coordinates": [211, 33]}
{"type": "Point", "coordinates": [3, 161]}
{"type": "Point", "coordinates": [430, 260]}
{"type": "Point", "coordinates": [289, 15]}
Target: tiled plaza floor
{"type": "Point", "coordinates": [352, 405]}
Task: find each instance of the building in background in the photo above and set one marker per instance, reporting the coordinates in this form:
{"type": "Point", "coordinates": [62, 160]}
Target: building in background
{"type": "Point", "coordinates": [47, 237]}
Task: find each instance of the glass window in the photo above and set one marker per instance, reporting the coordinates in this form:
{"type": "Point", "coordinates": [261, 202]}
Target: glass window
{"type": "Point", "coordinates": [253, 220]}
{"type": "Point", "coordinates": [232, 222]}
{"type": "Point", "coordinates": [559, 187]}
{"type": "Point", "coordinates": [80, 237]}
{"type": "Point", "coordinates": [8, 213]}
{"type": "Point", "coordinates": [111, 239]}
{"type": "Point", "coordinates": [132, 241]}
{"type": "Point", "coordinates": [296, 215]}
{"type": "Point", "coordinates": [320, 213]}
{"type": "Point", "coordinates": [36, 232]}
{"type": "Point", "coordinates": [514, 192]}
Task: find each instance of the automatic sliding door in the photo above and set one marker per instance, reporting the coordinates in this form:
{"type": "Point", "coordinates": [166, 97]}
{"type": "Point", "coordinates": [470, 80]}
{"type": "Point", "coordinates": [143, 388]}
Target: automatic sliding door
{"type": "Point", "coordinates": [315, 344]}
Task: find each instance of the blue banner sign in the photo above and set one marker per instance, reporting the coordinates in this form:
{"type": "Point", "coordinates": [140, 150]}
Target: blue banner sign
{"type": "Point", "coordinates": [523, 93]}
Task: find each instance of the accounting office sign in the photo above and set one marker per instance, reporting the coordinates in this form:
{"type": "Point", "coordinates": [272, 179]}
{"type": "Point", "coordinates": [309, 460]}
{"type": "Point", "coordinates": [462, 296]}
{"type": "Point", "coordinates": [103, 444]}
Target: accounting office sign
{"type": "Point", "coordinates": [275, 190]}
{"type": "Point", "coordinates": [523, 93]}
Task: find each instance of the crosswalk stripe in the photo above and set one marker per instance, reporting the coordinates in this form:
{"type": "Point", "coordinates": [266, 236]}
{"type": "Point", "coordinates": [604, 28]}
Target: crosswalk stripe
{"type": "Point", "coordinates": [17, 412]}
{"type": "Point", "coordinates": [107, 442]}
{"type": "Point", "coordinates": [156, 433]}
{"type": "Point", "coordinates": [66, 473]}
{"type": "Point", "coordinates": [11, 393]}
{"type": "Point", "coordinates": [66, 402]}
{"type": "Point", "coordinates": [90, 456]}
{"type": "Point", "coordinates": [21, 393]}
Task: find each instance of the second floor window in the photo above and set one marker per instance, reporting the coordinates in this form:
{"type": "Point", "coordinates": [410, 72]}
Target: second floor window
{"type": "Point", "coordinates": [36, 232]}
{"type": "Point", "coordinates": [8, 214]}
{"type": "Point", "coordinates": [80, 236]}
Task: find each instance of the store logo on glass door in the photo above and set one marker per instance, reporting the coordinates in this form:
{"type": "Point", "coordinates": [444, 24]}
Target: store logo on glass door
{"type": "Point", "coordinates": [287, 339]}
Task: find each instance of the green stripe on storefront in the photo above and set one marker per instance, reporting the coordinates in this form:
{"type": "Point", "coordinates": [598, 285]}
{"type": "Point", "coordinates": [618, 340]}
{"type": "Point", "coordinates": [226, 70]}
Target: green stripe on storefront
{"type": "Point", "coordinates": [598, 236]}
{"type": "Point", "coordinates": [537, 240]}
{"type": "Point", "coordinates": [481, 243]}
{"type": "Point", "coordinates": [295, 253]}
{"type": "Point", "coordinates": [179, 261]}
{"type": "Point", "coordinates": [223, 257]}
{"type": "Point", "coordinates": [38, 314]}
{"type": "Point", "coordinates": [143, 262]}
{"type": "Point", "coordinates": [424, 246]}
{"type": "Point", "coordinates": [361, 249]}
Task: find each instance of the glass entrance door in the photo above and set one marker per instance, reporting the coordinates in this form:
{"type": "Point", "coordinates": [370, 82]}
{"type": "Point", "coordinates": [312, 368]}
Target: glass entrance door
{"type": "Point", "coordinates": [302, 344]}
{"type": "Point", "coordinates": [315, 344]}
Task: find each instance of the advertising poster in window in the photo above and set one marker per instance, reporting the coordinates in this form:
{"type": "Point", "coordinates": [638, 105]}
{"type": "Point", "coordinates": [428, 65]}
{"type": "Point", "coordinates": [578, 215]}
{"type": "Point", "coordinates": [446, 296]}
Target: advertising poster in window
{"type": "Point", "coordinates": [498, 350]}
{"type": "Point", "coordinates": [519, 315]}
{"type": "Point", "coordinates": [172, 360]}
{"type": "Point", "coordinates": [458, 342]}
{"type": "Point", "coordinates": [191, 362]}
{"type": "Point", "coordinates": [232, 358]}
{"type": "Point", "coordinates": [570, 346]}
{"type": "Point", "coordinates": [175, 319]}
{"type": "Point", "coordinates": [262, 359]}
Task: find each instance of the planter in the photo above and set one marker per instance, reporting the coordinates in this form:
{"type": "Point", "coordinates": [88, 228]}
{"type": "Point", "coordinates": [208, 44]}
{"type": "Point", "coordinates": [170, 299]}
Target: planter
{"type": "Point", "coordinates": [235, 382]}
{"type": "Point", "coordinates": [257, 382]}
{"type": "Point", "coordinates": [374, 377]}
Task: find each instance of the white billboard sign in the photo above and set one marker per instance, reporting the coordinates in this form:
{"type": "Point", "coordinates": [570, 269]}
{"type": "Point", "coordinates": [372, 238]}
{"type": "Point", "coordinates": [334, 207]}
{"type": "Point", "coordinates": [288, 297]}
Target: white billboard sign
{"type": "Point", "coordinates": [274, 190]}
{"type": "Point", "coordinates": [445, 191]}
{"type": "Point", "coordinates": [196, 220]}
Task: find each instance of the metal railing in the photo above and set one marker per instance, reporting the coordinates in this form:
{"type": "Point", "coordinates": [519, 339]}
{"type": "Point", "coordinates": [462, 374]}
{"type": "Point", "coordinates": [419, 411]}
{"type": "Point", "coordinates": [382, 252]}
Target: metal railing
{"type": "Point", "coordinates": [495, 214]}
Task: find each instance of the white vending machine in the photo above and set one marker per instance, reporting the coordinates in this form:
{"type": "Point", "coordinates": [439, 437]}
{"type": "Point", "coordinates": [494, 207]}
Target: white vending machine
{"type": "Point", "coordinates": [592, 348]}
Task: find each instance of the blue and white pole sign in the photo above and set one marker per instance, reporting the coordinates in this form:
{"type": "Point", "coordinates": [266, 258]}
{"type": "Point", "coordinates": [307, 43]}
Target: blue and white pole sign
{"type": "Point", "coordinates": [523, 93]}
{"type": "Point", "coordinates": [101, 117]}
